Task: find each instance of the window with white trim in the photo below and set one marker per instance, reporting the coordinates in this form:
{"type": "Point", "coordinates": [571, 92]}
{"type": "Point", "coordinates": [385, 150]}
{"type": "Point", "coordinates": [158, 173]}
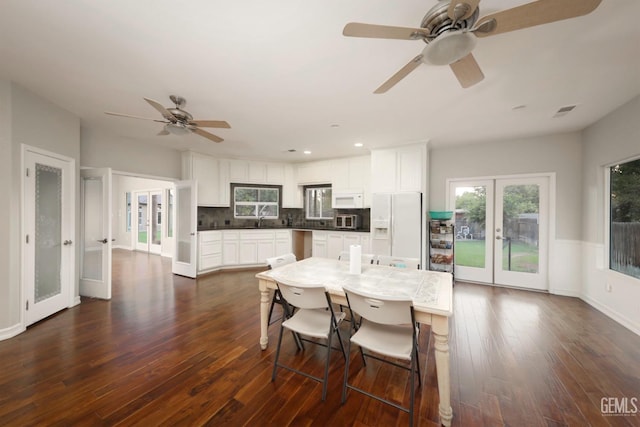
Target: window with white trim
{"type": "Point", "coordinates": [318, 203]}
{"type": "Point", "coordinates": [256, 202]}
{"type": "Point", "coordinates": [624, 218]}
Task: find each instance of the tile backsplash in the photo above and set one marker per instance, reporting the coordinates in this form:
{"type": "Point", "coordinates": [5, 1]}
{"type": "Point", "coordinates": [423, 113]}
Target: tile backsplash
{"type": "Point", "coordinates": [212, 218]}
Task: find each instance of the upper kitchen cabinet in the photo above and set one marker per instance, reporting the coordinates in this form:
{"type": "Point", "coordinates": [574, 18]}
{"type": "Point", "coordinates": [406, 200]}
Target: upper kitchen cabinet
{"type": "Point", "coordinates": [400, 169]}
{"type": "Point", "coordinates": [250, 172]}
{"type": "Point", "coordinates": [315, 172]}
{"type": "Point", "coordinates": [291, 191]}
{"type": "Point", "coordinates": [212, 176]}
{"type": "Point", "coordinates": [352, 175]}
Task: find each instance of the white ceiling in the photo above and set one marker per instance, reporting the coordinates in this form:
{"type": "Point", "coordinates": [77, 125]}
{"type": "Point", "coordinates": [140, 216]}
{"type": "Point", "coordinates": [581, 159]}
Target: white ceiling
{"type": "Point", "coordinates": [281, 73]}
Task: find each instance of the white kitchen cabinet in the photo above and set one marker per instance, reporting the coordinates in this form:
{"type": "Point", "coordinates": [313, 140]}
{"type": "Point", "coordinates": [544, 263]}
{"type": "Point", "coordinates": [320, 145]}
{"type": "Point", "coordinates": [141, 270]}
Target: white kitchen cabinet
{"type": "Point", "coordinates": [399, 169]}
{"type": "Point", "coordinates": [291, 191]}
{"type": "Point", "coordinates": [335, 244]}
{"type": "Point", "coordinates": [314, 172]}
{"type": "Point", "coordinates": [319, 244]}
{"type": "Point", "coordinates": [230, 247]}
{"type": "Point", "coordinates": [329, 244]}
{"type": "Point", "coordinates": [209, 250]}
{"type": "Point", "coordinates": [251, 172]}
{"type": "Point", "coordinates": [283, 244]}
{"type": "Point", "coordinates": [212, 176]}
{"type": "Point", "coordinates": [352, 174]}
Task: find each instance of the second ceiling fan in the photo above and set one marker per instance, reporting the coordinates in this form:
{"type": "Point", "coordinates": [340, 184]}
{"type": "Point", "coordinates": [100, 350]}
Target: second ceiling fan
{"type": "Point", "coordinates": [450, 28]}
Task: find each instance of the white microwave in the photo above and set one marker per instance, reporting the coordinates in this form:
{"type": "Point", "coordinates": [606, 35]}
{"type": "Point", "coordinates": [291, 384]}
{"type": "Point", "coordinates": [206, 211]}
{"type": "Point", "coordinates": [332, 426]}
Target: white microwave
{"type": "Point", "coordinates": [347, 201]}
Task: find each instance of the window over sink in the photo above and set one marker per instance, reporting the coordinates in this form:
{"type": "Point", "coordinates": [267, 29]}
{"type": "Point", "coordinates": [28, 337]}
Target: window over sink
{"type": "Point", "coordinates": [256, 202]}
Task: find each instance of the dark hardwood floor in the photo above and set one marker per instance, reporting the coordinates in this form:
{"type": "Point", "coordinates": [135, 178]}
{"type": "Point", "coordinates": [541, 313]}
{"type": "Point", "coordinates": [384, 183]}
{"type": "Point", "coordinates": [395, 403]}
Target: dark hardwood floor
{"type": "Point", "coordinates": [167, 350]}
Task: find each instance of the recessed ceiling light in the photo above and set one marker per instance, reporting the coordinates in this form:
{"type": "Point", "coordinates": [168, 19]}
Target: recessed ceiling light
{"type": "Point", "coordinates": [307, 152]}
{"type": "Point", "coordinates": [358, 144]}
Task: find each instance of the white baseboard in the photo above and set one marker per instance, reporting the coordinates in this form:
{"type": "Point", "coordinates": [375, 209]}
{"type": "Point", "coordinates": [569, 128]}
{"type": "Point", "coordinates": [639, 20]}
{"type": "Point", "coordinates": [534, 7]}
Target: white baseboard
{"type": "Point", "coordinates": [612, 314]}
{"type": "Point", "coordinates": [11, 331]}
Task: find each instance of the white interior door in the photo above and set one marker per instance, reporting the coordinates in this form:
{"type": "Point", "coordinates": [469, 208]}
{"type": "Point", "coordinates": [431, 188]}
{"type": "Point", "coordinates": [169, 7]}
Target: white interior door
{"type": "Point", "coordinates": [186, 202]}
{"type": "Point", "coordinates": [96, 240]}
{"type": "Point", "coordinates": [49, 233]}
{"type": "Point", "coordinates": [502, 228]}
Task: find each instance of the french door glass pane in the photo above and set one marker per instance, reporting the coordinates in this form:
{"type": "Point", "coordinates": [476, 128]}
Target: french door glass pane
{"type": "Point", "coordinates": [520, 220]}
{"type": "Point", "coordinates": [156, 219]}
{"type": "Point", "coordinates": [183, 229]}
{"type": "Point", "coordinates": [92, 223]}
{"type": "Point", "coordinates": [143, 216]}
{"type": "Point", "coordinates": [471, 212]}
{"type": "Point", "coordinates": [48, 229]}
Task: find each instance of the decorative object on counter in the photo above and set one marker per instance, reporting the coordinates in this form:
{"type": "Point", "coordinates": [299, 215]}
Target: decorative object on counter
{"type": "Point", "coordinates": [355, 259]}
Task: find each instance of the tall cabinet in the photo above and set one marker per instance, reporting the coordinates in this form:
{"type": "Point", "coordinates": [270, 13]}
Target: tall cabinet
{"type": "Point", "coordinates": [441, 245]}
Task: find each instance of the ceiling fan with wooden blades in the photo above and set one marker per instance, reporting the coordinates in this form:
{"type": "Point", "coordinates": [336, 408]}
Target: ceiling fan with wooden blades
{"type": "Point", "coordinates": [178, 121]}
{"type": "Point", "coordinates": [450, 28]}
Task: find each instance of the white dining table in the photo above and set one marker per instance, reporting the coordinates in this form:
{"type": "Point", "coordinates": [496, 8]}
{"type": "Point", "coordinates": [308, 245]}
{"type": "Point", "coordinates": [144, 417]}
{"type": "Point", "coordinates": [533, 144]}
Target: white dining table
{"type": "Point", "coordinates": [431, 292]}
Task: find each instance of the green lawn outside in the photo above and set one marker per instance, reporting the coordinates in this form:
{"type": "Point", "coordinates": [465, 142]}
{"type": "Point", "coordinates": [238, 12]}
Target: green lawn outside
{"type": "Point", "coordinates": [471, 253]}
{"type": "Point", "coordinates": [142, 237]}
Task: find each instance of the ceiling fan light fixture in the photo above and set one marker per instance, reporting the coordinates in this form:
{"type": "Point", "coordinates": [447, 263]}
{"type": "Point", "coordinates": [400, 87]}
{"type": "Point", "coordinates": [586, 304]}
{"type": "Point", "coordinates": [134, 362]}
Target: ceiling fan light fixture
{"type": "Point", "coordinates": [177, 128]}
{"type": "Point", "coordinates": [449, 47]}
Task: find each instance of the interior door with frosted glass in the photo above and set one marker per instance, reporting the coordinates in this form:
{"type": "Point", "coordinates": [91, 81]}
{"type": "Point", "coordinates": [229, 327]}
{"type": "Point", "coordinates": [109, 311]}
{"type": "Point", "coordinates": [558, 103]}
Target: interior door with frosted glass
{"type": "Point", "coordinates": [472, 202]}
{"type": "Point", "coordinates": [186, 202]}
{"type": "Point", "coordinates": [96, 242]}
{"type": "Point", "coordinates": [49, 253]}
{"type": "Point", "coordinates": [521, 232]}
{"type": "Point", "coordinates": [155, 218]}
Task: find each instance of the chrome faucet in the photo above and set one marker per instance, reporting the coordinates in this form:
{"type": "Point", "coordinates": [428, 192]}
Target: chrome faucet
{"type": "Point", "coordinates": [260, 222]}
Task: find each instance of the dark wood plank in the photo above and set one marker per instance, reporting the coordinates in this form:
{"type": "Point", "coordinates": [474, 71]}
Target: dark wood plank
{"type": "Point", "coordinates": [167, 350]}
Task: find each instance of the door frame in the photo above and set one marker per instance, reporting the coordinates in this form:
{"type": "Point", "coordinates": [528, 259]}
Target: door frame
{"type": "Point", "coordinates": [551, 212]}
{"type": "Point", "coordinates": [69, 186]}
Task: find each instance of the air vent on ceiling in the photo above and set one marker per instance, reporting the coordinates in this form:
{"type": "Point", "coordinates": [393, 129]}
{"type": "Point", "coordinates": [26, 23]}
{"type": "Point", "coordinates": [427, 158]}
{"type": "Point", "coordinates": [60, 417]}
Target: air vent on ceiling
{"type": "Point", "coordinates": [563, 111]}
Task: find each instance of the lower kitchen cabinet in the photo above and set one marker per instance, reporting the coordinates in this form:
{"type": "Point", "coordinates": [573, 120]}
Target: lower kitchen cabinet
{"type": "Point", "coordinates": [329, 244]}
{"type": "Point", "coordinates": [233, 248]}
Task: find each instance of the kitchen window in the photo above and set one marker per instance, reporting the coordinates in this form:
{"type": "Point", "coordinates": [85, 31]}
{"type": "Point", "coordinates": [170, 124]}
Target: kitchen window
{"type": "Point", "coordinates": [624, 220]}
{"type": "Point", "coordinates": [256, 202]}
{"type": "Point", "coordinates": [318, 203]}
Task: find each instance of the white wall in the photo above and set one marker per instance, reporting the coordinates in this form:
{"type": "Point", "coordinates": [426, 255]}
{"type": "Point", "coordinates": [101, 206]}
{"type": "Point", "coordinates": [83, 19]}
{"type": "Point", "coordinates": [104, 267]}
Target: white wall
{"type": "Point", "coordinates": [26, 119]}
{"type": "Point", "coordinates": [559, 154]}
{"type": "Point", "coordinates": [614, 138]}
{"type": "Point", "coordinates": [130, 156]}
{"type": "Point", "coordinates": [123, 184]}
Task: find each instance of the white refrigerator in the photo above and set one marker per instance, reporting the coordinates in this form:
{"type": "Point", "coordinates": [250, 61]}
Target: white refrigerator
{"type": "Point", "coordinates": [396, 224]}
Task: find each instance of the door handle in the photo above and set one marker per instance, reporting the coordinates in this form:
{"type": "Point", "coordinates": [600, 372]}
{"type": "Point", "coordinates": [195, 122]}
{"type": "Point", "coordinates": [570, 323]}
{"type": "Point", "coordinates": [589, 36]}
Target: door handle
{"type": "Point", "coordinates": [67, 242]}
{"type": "Point", "coordinates": [103, 240]}
{"type": "Point", "coordinates": [498, 238]}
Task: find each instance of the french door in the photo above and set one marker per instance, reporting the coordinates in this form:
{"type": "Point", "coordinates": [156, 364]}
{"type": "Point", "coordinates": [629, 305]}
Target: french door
{"type": "Point", "coordinates": [502, 230]}
{"type": "Point", "coordinates": [148, 226]}
{"type": "Point", "coordinates": [185, 253]}
{"type": "Point", "coordinates": [49, 233]}
{"type": "Point", "coordinates": [95, 245]}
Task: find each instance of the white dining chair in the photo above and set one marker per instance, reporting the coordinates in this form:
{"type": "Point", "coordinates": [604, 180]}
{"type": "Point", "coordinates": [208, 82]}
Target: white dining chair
{"type": "Point", "coordinates": [387, 331]}
{"type": "Point", "coordinates": [275, 262]}
{"type": "Point", "coordinates": [399, 262]}
{"type": "Point", "coordinates": [314, 318]}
